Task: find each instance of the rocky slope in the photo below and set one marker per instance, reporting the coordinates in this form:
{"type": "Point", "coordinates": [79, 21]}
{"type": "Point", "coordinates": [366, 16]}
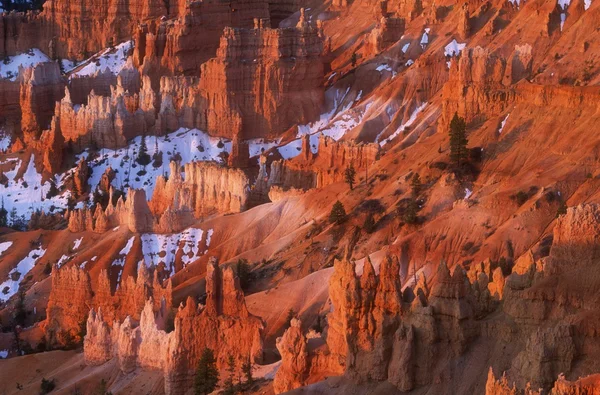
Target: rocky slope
{"type": "Point", "coordinates": [142, 141]}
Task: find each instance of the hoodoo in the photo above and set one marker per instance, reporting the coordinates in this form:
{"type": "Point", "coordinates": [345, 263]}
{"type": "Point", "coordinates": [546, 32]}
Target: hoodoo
{"type": "Point", "coordinates": [285, 196]}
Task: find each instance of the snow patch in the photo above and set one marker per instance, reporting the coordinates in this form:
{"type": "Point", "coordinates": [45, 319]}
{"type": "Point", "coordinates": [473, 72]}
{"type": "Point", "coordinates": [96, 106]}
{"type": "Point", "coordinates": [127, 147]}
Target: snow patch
{"type": "Point", "coordinates": [425, 38]}
{"type": "Point", "coordinates": [411, 120]}
{"type": "Point", "coordinates": [186, 145]}
{"type": "Point", "coordinates": [405, 47]}
{"type": "Point", "coordinates": [454, 48]}
{"type": "Point", "coordinates": [77, 243]}
{"type": "Point", "coordinates": [384, 67]}
{"type": "Point", "coordinates": [63, 259]}
{"type": "Point", "coordinates": [503, 124]}
{"type": "Point", "coordinates": [22, 197]}
{"type": "Point", "coordinates": [9, 67]}
{"type": "Point", "coordinates": [11, 286]}
{"type": "Point", "coordinates": [468, 193]}
{"type": "Point", "coordinates": [5, 246]}
{"type": "Point", "coordinates": [160, 248]}
{"type": "Point", "coordinates": [127, 247]}
{"type": "Point", "coordinates": [113, 59]}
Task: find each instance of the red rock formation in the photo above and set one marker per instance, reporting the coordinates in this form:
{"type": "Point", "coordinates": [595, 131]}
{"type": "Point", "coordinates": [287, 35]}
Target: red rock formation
{"type": "Point", "coordinates": [103, 121]}
{"type": "Point", "coordinates": [294, 369]}
{"type": "Point", "coordinates": [308, 170]}
{"type": "Point", "coordinates": [263, 81]}
{"type": "Point", "coordinates": [224, 325]}
{"type": "Point", "coordinates": [41, 86]}
{"type": "Point", "coordinates": [67, 305]}
{"type": "Point", "coordinates": [207, 187]}
{"type": "Point", "coordinates": [72, 297]}
{"type": "Point", "coordinates": [75, 29]}
{"type": "Point", "coordinates": [10, 112]}
{"type": "Point", "coordinates": [179, 46]}
{"type": "Point", "coordinates": [478, 77]}
{"type": "Point", "coordinates": [365, 317]}
{"type": "Point", "coordinates": [388, 31]}
{"type": "Point", "coordinates": [589, 385]}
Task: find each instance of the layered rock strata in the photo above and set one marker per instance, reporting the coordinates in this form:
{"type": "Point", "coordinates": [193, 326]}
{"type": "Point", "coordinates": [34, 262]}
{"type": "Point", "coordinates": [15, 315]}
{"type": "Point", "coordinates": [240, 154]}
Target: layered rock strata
{"type": "Point", "coordinates": [72, 297]}
{"type": "Point", "coordinates": [223, 325]}
{"type": "Point", "coordinates": [263, 80]}
{"type": "Point", "coordinates": [309, 170]}
{"type": "Point", "coordinates": [207, 188]}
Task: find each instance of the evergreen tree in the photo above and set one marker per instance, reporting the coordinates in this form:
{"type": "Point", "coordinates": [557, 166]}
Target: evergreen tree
{"type": "Point", "coordinates": [562, 209]}
{"type": "Point", "coordinates": [229, 385]}
{"type": "Point", "coordinates": [143, 157]}
{"type": "Point", "coordinates": [350, 176]}
{"type": "Point", "coordinates": [207, 375]}
{"type": "Point", "coordinates": [409, 216]}
{"type": "Point", "coordinates": [288, 319]}
{"type": "Point", "coordinates": [20, 314]}
{"type": "Point", "coordinates": [337, 214]}
{"type": "Point", "coordinates": [3, 215]}
{"type": "Point", "coordinates": [354, 59]}
{"type": "Point", "coordinates": [247, 370]}
{"type": "Point", "coordinates": [243, 272]}
{"type": "Point", "coordinates": [415, 184]}
{"type": "Point", "coordinates": [369, 225]}
{"type": "Point", "coordinates": [458, 140]}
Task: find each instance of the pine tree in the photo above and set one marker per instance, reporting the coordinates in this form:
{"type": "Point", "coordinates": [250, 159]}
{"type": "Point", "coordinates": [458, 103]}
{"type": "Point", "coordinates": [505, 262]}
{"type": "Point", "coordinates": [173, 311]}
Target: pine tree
{"type": "Point", "coordinates": [369, 225]}
{"type": "Point", "coordinates": [243, 272]}
{"type": "Point", "coordinates": [20, 314]}
{"type": "Point", "coordinates": [3, 215]}
{"type": "Point", "coordinates": [288, 319]}
{"type": "Point", "coordinates": [409, 215]}
{"type": "Point", "coordinates": [247, 370]}
{"type": "Point", "coordinates": [415, 184]}
{"type": "Point", "coordinates": [143, 157]}
{"type": "Point", "coordinates": [229, 385]}
{"type": "Point", "coordinates": [207, 375]}
{"type": "Point", "coordinates": [354, 59]}
{"type": "Point", "coordinates": [337, 214]}
{"type": "Point", "coordinates": [458, 140]}
{"type": "Point", "coordinates": [350, 176]}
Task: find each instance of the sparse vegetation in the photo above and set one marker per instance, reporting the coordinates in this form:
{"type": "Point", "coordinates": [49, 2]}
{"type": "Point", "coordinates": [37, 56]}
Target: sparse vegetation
{"type": "Point", "coordinates": [338, 214]}
{"type": "Point", "coordinates": [415, 185]}
{"type": "Point", "coordinates": [207, 375]}
{"type": "Point", "coordinates": [369, 224]}
{"type": "Point", "coordinates": [458, 141]}
{"type": "Point", "coordinates": [247, 371]}
{"type": "Point", "coordinates": [229, 382]}
{"type": "Point", "coordinates": [350, 176]}
{"type": "Point", "coordinates": [143, 158]}
{"type": "Point", "coordinates": [243, 272]}
{"type": "Point", "coordinates": [47, 386]}
{"type": "Point", "coordinates": [291, 314]}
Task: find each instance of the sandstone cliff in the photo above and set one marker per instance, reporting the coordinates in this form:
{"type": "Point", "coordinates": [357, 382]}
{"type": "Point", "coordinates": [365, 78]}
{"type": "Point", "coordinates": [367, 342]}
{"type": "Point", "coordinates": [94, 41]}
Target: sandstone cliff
{"type": "Point", "coordinates": [263, 80]}
{"type": "Point", "coordinates": [223, 325]}
{"type": "Point", "coordinates": [72, 297]}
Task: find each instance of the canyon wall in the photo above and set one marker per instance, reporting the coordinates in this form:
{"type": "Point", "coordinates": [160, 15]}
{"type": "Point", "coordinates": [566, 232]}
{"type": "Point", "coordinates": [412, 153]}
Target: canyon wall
{"type": "Point", "coordinates": [478, 76]}
{"type": "Point", "coordinates": [223, 325]}
{"type": "Point", "coordinates": [72, 297]}
{"type": "Point", "coordinates": [41, 86]}
{"type": "Point", "coordinates": [263, 81]}
{"type": "Point", "coordinates": [309, 170]}
{"type": "Point", "coordinates": [413, 338]}
{"type": "Point", "coordinates": [207, 188]}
